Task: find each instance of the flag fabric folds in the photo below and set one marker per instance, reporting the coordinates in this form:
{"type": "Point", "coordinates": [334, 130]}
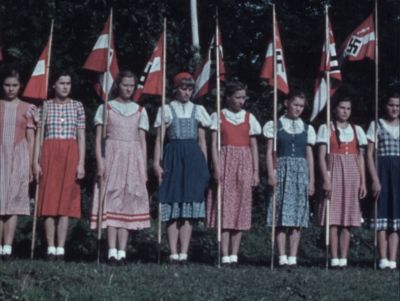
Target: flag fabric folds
{"type": "Point", "coordinates": [267, 71]}
{"type": "Point", "coordinates": [330, 65]}
{"type": "Point", "coordinates": [360, 44]}
{"type": "Point", "coordinates": [37, 87]}
{"type": "Point", "coordinates": [205, 74]}
{"type": "Point", "coordinates": [97, 60]}
{"type": "Point", "coordinates": [151, 81]}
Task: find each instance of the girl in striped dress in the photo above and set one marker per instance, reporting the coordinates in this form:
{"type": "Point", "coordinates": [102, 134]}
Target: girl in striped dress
{"type": "Point", "coordinates": [386, 180]}
{"type": "Point", "coordinates": [17, 126]}
{"type": "Point", "coordinates": [237, 171]}
{"type": "Point", "coordinates": [59, 163]}
{"type": "Point", "coordinates": [124, 169]}
{"type": "Point", "coordinates": [294, 180]}
{"type": "Point", "coordinates": [346, 184]}
{"type": "Point", "coordinates": [183, 174]}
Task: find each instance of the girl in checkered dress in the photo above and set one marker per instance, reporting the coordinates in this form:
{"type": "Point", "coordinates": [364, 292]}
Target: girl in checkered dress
{"type": "Point", "coordinates": [345, 185]}
{"type": "Point", "coordinates": [386, 180]}
{"type": "Point", "coordinates": [59, 163]}
{"type": "Point", "coordinates": [293, 182]}
{"type": "Point", "coordinates": [17, 135]}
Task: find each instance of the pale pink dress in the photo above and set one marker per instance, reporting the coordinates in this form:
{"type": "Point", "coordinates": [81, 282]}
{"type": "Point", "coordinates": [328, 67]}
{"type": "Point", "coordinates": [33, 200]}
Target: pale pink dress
{"type": "Point", "coordinates": [15, 119]}
{"type": "Point", "coordinates": [126, 202]}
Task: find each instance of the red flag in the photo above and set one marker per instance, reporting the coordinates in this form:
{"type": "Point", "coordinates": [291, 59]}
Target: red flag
{"type": "Point", "coordinates": [1, 54]}
{"type": "Point", "coordinates": [97, 60]}
{"type": "Point", "coordinates": [37, 86]}
{"type": "Point", "coordinates": [267, 71]}
{"type": "Point", "coordinates": [360, 44]}
{"type": "Point", "coordinates": [151, 81]}
{"type": "Point", "coordinates": [205, 74]}
{"type": "Point", "coordinates": [329, 63]}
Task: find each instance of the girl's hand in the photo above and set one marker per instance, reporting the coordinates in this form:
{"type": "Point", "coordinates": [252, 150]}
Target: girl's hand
{"type": "Point", "coordinates": [217, 174]}
{"type": "Point", "coordinates": [311, 188]}
{"type": "Point", "coordinates": [256, 179]}
{"type": "Point", "coordinates": [37, 171]}
{"type": "Point", "coordinates": [80, 172]}
{"type": "Point", "coordinates": [100, 169]}
{"type": "Point", "coordinates": [31, 177]}
{"type": "Point", "coordinates": [327, 188]}
{"type": "Point", "coordinates": [271, 181]}
{"type": "Point", "coordinates": [363, 191]}
{"type": "Point", "coordinates": [376, 188]}
{"type": "Point", "coordinates": [159, 172]}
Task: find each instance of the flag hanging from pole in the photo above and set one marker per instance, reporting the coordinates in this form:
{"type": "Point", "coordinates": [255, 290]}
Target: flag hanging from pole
{"type": "Point", "coordinates": [37, 86]}
{"type": "Point", "coordinates": [151, 81]}
{"type": "Point", "coordinates": [267, 71]}
{"type": "Point", "coordinates": [330, 64]}
{"type": "Point", "coordinates": [205, 74]}
{"type": "Point", "coordinates": [360, 44]}
{"type": "Point", "coordinates": [97, 60]}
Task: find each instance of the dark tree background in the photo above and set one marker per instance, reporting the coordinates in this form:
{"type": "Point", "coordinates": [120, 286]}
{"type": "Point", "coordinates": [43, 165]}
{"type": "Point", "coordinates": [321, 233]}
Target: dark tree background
{"type": "Point", "coordinates": [246, 29]}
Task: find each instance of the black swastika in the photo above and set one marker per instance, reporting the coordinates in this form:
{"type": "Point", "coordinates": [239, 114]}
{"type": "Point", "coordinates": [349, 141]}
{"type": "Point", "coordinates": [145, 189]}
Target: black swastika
{"type": "Point", "coordinates": [354, 46]}
{"type": "Point", "coordinates": [279, 61]}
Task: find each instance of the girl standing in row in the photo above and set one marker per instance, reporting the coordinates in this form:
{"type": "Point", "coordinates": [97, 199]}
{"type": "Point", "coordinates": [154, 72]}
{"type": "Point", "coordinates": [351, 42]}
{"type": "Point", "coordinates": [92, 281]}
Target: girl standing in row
{"type": "Point", "coordinates": [123, 172]}
{"type": "Point", "coordinates": [237, 169]}
{"type": "Point", "coordinates": [183, 172]}
{"type": "Point", "coordinates": [386, 180]}
{"type": "Point", "coordinates": [346, 184]}
{"type": "Point", "coordinates": [294, 180]}
{"type": "Point", "coordinates": [17, 135]}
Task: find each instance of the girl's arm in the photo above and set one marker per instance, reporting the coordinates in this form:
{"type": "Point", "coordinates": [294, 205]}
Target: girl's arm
{"type": "Point", "coordinates": [311, 180]}
{"type": "Point", "coordinates": [201, 140]}
{"type": "Point", "coordinates": [36, 154]}
{"type": "Point", "coordinates": [254, 154]}
{"type": "Point", "coordinates": [80, 170]}
{"type": "Point", "coordinates": [214, 155]}
{"type": "Point", "coordinates": [157, 157]}
{"type": "Point", "coordinates": [143, 145]}
{"type": "Point", "coordinates": [361, 163]}
{"type": "Point", "coordinates": [99, 155]}
{"type": "Point", "coordinates": [376, 184]}
{"type": "Point", "coordinates": [324, 169]}
{"type": "Point", "coordinates": [269, 160]}
{"type": "Point", "coordinates": [30, 137]}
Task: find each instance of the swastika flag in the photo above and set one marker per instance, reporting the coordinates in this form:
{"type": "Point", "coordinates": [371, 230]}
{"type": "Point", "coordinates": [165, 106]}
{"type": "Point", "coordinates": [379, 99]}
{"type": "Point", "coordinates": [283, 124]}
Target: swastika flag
{"type": "Point", "coordinates": [330, 64]}
{"type": "Point", "coordinates": [360, 44]}
{"type": "Point", "coordinates": [267, 71]}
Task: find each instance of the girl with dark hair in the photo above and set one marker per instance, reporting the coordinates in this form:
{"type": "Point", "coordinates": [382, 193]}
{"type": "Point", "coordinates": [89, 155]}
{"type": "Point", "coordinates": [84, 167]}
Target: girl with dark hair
{"type": "Point", "coordinates": [183, 175]}
{"type": "Point", "coordinates": [123, 170]}
{"type": "Point", "coordinates": [17, 135]}
{"type": "Point", "coordinates": [60, 163]}
{"type": "Point", "coordinates": [346, 184]}
{"type": "Point", "coordinates": [237, 169]}
{"type": "Point", "coordinates": [386, 180]}
{"type": "Point", "coordinates": [294, 179]}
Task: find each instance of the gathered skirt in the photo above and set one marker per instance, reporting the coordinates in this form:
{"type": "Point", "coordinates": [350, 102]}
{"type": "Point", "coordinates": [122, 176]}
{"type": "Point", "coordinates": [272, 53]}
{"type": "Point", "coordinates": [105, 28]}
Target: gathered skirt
{"type": "Point", "coordinates": [236, 168]}
{"type": "Point", "coordinates": [291, 194]}
{"type": "Point", "coordinates": [125, 198]}
{"type": "Point", "coordinates": [59, 190]}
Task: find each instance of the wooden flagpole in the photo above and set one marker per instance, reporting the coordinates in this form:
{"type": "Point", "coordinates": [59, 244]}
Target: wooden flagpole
{"type": "Point", "coordinates": [218, 100]}
{"type": "Point", "coordinates": [104, 131]}
{"type": "Point", "coordinates": [163, 97]}
{"type": "Point", "coordinates": [376, 130]}
{"type": "Point", "coordinates": [43, 120]}
{"type": "Point", "coordinates": [275, 120]}
{"type": "Point", "coordinates": [328, 119]}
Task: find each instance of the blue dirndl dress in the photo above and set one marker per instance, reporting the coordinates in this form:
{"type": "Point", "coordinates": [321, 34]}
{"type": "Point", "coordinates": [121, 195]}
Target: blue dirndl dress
{"type": "Point", "coordinates": [186, 175]}
{"type": "Point", "coordinates": [292, 207]}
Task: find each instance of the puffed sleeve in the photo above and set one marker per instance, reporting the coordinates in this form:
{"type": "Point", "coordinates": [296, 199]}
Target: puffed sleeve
{"type": "Point", "coordinates": [80, 113]}
{"type": "Point", "coordinates": [32, 116]}
{"type": "Point", "coordinates": [214, 121]}
{"type": "Point", "coordinates": [322, 136]}
{"type": "Point", "coordinates": [311, 136]}
{"type": "Point", "coordinates": [144, 120]}
{"type": "Point", "coordinates": [167, 117]}
{"type": "Point", "coordinates": [371, 132]}
{"type": "Point", "coordinates": [98, 117]}
{"type": "Point", "coordinates": [361, 137]}
{"type": "Point", "coordinates": [255, 127]}
{"type": "Point", "coordinates": [268, 130]}
{"type": "Point", "coordinates": [202, 116]}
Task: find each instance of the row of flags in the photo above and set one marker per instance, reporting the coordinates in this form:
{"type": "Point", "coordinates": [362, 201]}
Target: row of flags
{"type": "Point", "coordinates": [359, 45]}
